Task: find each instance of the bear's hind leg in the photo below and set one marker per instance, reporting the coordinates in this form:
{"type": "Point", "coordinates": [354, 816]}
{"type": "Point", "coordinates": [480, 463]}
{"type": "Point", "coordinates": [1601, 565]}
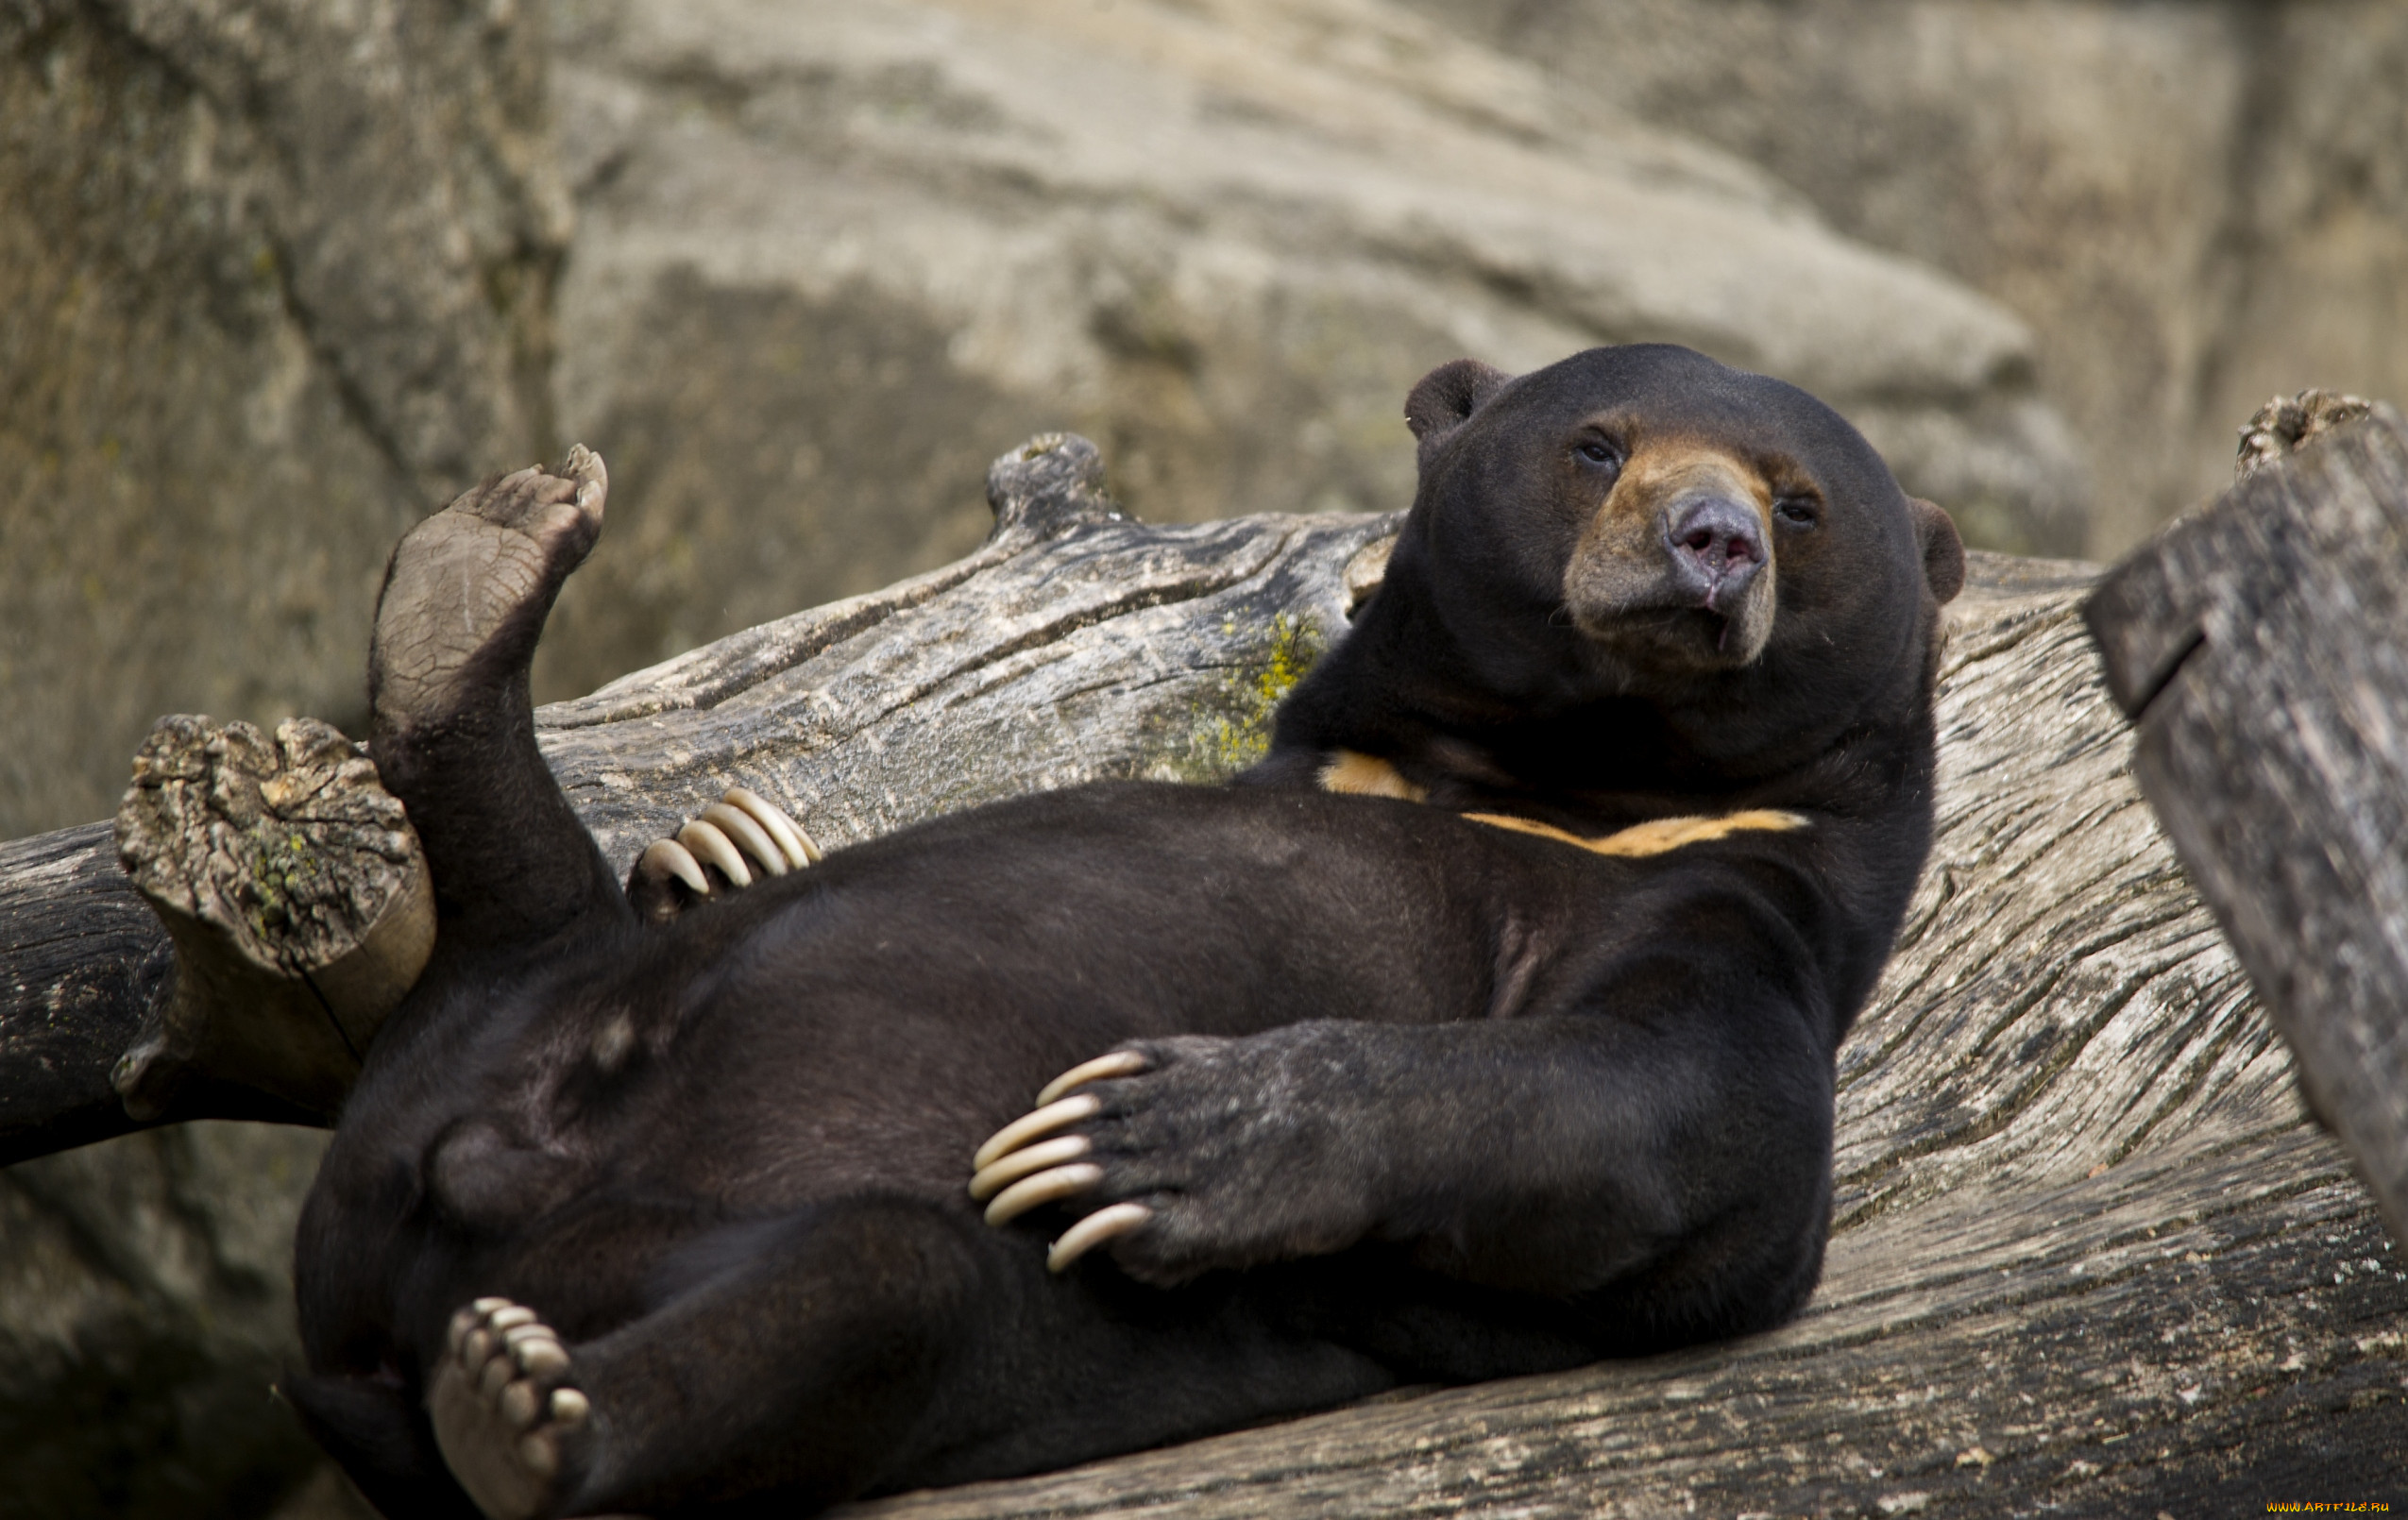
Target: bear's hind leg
{"type": "Point", "coordinates": [804, 1357]}
{"type": "Point", "coordinates": [465, 597]}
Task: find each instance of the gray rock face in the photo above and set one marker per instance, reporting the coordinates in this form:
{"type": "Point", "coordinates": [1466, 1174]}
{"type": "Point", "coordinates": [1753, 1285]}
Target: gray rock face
{"type": "Point", "coordinates": [285, 275]}
{"type": "Point", "coordinates": [2195, 206]}
{"type": "Point", "coordinates": [826, 257]}
{"type": "Point", "coordinates": [277, 278]}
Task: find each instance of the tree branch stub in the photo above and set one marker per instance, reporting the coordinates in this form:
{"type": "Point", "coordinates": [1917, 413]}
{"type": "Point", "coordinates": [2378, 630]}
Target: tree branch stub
{"type": "Point", "coordinates": [298, 902]}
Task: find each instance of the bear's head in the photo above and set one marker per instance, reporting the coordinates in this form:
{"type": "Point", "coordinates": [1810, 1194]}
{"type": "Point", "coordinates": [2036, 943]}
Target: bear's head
{"type": "Point", "coordinates": [1644, 522]}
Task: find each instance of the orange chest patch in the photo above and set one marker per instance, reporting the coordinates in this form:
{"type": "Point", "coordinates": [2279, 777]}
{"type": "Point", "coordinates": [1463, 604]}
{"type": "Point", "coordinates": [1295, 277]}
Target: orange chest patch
{"type": "Point", "coordinates": [1361, 776]}
{"type": "Point", "coordinates": [1657, 836]}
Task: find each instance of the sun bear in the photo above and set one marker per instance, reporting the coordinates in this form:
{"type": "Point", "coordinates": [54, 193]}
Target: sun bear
{"type": "Point", "coordinates": [1487, 1028]}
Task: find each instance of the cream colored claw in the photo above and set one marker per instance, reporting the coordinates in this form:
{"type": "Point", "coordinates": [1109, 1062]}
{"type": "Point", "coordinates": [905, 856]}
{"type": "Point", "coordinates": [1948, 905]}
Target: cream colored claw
{"type": "Point", "coordinates": [1044, 1188]}
{"type": "Point", "coordinates": [709, 844]}
{"type": "Point", "coordinates": [1103, 1224]}
{"type": "Point", "coordinates": [799, 848]}
{"type": "Point", "coordinates": [536, 1349]}
{"type": "Point", "coordinates": [994, 1178]}
{"type": "Point", "coordinates": [740, 826]}
{"type": "Point", "coordinates": [1029, 1125]}
{"type": "Point", "coordinates": [667, 857]}
{"type": "Point", "coordinates": [1119, 1063]}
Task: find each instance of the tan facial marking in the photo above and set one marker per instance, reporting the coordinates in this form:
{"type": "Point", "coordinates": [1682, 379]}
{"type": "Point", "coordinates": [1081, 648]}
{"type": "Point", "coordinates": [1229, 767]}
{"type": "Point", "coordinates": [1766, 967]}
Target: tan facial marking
{"type": "Point", "coordinates": [1360, 775]}
{"type": "Point", "coordinates": [1657, 836]}
{"type": "Point", "coordinates": [1625, 562]}
{"type": "Point", "coordinates": [1661, 468]}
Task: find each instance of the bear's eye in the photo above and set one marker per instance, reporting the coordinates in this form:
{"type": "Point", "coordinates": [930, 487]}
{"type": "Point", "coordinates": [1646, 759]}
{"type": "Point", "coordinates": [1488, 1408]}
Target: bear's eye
{"type": "Point", "coordinates": [1597, 453]}
{"type": "Point", "coordinates": [1796, 509]}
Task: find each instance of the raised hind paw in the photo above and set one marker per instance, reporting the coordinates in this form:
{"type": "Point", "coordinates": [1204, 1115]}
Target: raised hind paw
{"type": "Point", "coordinates": [721, 850]}
{"type": "Point", "coordinates": [468, 588]}
{"type": "Point", "coordinates": [502, 1408]}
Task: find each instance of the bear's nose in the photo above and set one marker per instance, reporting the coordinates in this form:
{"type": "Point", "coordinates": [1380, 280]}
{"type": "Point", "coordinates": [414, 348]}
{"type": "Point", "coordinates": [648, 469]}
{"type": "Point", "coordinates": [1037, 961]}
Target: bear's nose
{"type": "Point", "coordinates": [1716, 545]}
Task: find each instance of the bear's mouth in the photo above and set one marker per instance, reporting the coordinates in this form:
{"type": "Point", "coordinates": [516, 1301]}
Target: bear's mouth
{"type": "Point", "coordinates": [1679, 634]}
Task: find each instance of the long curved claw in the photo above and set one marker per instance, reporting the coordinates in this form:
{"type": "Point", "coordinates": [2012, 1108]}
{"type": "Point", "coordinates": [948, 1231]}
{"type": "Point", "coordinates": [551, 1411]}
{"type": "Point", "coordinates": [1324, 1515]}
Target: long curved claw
{"type": "Point", "coordinates": [741, 828]}
{"type": "Point", "coordinates": [1017, 1169]}
{"type": "Point", "coordinates": [799, 848]}
{"type": "Point", "coordinates": [709, 844]}
{"type": "Point", "coordinates": [1017, 1164]}
{"type": "Point", "coordinates": [1029, 1125]}
{"type": "Point", "coordinates": [1045, 1187]}
{"type": "Point", "coordinates": [1119, 1063]}
{"type": "Point", "coordinates": [539, 1355]}
{"type": "Point", "coordinates": [734, 840]}
{"type": "Point", "coordinates": [667, 857]}
{"type": "Point", "coordinates": [1103, 1224]}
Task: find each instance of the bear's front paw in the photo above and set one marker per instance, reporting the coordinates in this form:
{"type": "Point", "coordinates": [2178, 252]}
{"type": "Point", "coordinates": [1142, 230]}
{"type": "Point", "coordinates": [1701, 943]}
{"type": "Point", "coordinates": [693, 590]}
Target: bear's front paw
{"type": "Point", "coordinates": [707, 856]}
{"type": "Point", "coordinates": [1191, 1154]}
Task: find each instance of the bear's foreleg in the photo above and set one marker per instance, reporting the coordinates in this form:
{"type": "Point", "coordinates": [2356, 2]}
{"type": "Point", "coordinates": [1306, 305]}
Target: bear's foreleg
{"type": "Point", "coordinates": [1605, 1162]}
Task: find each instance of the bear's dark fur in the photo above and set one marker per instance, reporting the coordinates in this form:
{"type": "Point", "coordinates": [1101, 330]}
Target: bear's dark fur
{"type": "Point", "coordinates": [1526, 1061]}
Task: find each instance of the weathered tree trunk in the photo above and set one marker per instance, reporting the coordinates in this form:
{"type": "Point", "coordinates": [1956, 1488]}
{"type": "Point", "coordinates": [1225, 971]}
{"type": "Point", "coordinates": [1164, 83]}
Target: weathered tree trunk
{"type": "Point", "coordinates": [2089, 1253]}
{"type": "Point", "coordinates": [2090, 1256]}
{"type": "Point", "coordinates": [1076, 644]}
{"type": "Point", "coordinates": [2262, 649]}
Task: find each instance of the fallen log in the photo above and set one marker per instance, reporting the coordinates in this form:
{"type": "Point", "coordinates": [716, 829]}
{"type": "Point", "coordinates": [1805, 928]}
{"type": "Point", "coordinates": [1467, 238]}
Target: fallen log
{"type": "Point", "coordinates": [1076, 644]}
{"type": "Point", "coordinates": [2090, 1255]}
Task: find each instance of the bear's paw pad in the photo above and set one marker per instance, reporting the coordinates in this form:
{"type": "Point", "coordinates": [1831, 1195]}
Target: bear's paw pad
{"type": "Point", "coordinates": [477, 576]}
{"type": "Point", "coordinates": [501, 1406]}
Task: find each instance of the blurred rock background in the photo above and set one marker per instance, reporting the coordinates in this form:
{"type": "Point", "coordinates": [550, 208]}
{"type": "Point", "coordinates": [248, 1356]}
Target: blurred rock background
{"type": "Point", "coordinates": [278, 277]}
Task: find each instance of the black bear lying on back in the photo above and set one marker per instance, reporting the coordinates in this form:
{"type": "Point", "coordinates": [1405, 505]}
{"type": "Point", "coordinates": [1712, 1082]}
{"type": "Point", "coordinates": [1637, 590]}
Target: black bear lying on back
{"type": "Point", "coordinates": [1522, 1061]}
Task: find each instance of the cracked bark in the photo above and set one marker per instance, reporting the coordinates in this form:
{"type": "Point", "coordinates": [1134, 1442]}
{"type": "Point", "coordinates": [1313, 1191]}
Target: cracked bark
{"type": "Point", "coordinates": [2090, 1254]}
{"type": "Point", "coordinates": [2262, 649]}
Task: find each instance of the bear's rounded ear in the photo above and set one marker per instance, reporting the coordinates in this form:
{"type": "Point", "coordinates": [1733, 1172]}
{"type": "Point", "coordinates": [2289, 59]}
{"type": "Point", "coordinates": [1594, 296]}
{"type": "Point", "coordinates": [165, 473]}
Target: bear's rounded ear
{"type": "Point", "coordinates": [1943, 552]}
{"type": "Point", "coordinates": [1446, 398]}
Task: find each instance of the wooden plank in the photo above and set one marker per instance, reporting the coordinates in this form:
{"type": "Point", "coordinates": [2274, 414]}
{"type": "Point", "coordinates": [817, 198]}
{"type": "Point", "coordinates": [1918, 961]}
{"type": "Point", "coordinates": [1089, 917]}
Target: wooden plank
{"type": "Point", "coordinates": [2262, 648]}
